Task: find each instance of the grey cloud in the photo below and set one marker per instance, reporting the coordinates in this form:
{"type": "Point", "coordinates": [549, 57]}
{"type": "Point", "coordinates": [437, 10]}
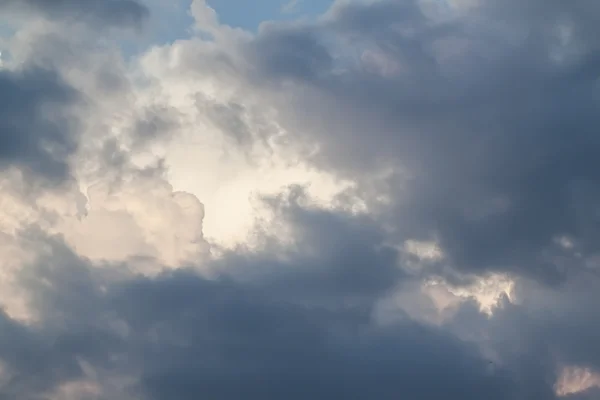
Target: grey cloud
{"type": "Point", "coordinates": [35, 131]}
{"type": "Point", "coordinates": [335, 259]}
{"type": "Point", "coordinates": [154, 123]}
{"type": "Point", "coordinates": [544, 329]}
{"type": "Point", "coordinates": [296, 353]}
{"type": "Point", "coordinates": [282, 52]}
{"type": "Point", "coordinates": [187, 337]}
{"type": "Point", "coordinates": [589, 394]}
{"type": "Point", "coordinates": [230, 118]}
{"type": "Point", "coordinates": [515, 343]}
{"type": "Point", "coordinates": [564, 319]}
{"type": "Point", "coordinates": [101, 12]}
{"type": "Point", "coordinates": [61, 104]}
{"type": "Point", "coordinates": [499, 142]}
{"type": "Point", "coordinates": [38, 358]}
{"type": "Point", "coordinates": [35, 363]}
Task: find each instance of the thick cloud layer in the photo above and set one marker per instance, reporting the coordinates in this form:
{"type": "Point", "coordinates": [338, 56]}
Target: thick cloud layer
{"type": "Point", "coordinates": [185, 336]}
{"type": "Point", "coordinates": [409, 187]}
{"type": "Point", "coordinates": [488, 112]}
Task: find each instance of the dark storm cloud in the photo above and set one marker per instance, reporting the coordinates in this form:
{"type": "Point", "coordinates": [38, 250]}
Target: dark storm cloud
{"type": "Point", "coordinates": [499, 140]}
{"type": "Point", "coordinates": [224, 343]}
{"type": "Point", "coordinates": [35, 132]}
{"type": "Point", "coordinates": [103, 12]}
{"type": "Point", "coordinates": [189, 337]}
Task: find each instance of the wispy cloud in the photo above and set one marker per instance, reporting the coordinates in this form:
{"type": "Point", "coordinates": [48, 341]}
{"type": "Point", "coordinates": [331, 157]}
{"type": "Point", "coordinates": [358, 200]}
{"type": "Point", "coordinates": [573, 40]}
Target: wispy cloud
{"type": "Point", "coordinates": [290, 7]}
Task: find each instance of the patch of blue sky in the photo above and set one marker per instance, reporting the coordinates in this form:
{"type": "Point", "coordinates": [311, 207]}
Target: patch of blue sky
{"type": "Point", "coordinates": [171, 20]}
{"type": "Point", "coordinates": [7, 30]}
{"type": "Point", "coordinates": [248, 14]}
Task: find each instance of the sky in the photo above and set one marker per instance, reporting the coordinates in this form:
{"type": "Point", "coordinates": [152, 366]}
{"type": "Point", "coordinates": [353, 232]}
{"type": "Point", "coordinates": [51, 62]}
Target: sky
{"type": "Point", "coordinates": [249, 15]}
{"type": "Point", "coordinates": [355, 199]}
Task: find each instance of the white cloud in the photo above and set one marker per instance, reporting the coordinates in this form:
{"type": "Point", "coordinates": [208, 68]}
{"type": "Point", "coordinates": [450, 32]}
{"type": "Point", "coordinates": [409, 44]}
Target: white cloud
{"type": "Point", "coordinates": [574, 380]}
{"type": "Point", "coordinates": [424, 251]}
{"type": "Point", "coordinates": [487, 291]}
{"type": "Point", "coordinates": [228, 167]}
{"type": "Point", "coordinates": [142, 218]}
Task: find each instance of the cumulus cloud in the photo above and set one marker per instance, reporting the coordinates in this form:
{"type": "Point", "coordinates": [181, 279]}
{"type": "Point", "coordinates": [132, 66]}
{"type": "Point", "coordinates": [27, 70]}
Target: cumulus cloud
{"type": "Point", "coordinates": [395, 199]}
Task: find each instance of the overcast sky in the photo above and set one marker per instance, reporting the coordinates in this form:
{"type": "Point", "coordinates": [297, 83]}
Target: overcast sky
{"type": "Point", "coordinates": [305, 200]}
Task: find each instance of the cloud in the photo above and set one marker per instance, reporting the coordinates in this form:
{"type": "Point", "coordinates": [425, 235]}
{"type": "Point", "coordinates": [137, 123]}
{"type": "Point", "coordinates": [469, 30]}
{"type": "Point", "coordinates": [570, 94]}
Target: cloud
{"type": "Point", "coordinates": [395, 199]}
{"type": "Point", "coordinates": [183, 335]}
{"type": "Point", "coordinates": [145, 218]}
{"type": "Point", "coordinates": [489, 125]}
{"type": "Point", "coordinates": [334, 258]}
{"type": "Point", "coordinates": [35, 130]}
{"type": "Point", "coordinates": [101, 13]}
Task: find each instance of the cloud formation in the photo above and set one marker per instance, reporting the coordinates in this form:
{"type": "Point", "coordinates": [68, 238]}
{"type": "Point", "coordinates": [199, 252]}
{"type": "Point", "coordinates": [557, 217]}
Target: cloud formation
{"type": "Point", "coordinates": [397, 199]}
{"type": "Point", "coordinates": [36, 133]}
{"type": "Point", "coordinates": [102, 12]}
{"type": "Point", "coordinates": [488, 120]}
{"type": "Point", "coordinates": [182, 335]}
